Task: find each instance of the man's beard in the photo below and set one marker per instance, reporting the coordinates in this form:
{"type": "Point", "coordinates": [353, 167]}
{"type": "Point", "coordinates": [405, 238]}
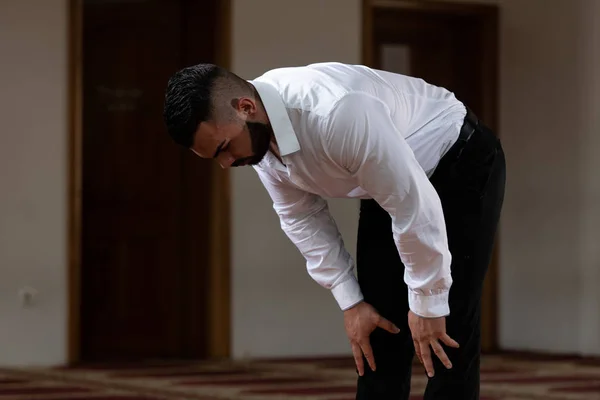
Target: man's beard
{"type": "Point", "coordinates": [260, 137]}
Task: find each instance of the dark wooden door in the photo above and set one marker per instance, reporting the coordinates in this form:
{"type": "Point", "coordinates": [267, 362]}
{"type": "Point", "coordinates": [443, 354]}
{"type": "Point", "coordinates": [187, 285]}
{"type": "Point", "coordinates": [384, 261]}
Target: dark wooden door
{"type": "Point", "coordinates": [144, 215]}
{"type": "Point", "coordinates": [449, 45]}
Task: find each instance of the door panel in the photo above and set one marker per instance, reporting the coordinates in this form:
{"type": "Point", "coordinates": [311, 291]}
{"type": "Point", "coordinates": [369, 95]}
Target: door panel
{"type": "Point", "coordinates": [138, 251]}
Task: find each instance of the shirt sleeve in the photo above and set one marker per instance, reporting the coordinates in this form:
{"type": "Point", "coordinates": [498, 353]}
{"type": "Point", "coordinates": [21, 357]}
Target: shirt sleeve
{"type": "Point", "coordinates": [306, 220]}
{"type": "Point", "coordinates": [363, 140]}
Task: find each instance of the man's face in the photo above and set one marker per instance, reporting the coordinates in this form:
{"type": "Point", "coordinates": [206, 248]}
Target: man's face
{"type": "Point", "coordinates": [233, 144]}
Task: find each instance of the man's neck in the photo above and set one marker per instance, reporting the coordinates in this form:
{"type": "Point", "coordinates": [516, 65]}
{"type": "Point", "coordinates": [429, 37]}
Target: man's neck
{"type": "Point", "coordinates": [275, 149]}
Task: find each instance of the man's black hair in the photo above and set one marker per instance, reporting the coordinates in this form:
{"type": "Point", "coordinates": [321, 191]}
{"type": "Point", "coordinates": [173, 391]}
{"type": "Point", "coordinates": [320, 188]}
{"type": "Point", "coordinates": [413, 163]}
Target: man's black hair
{"type": "Point", "coordinates": [190, 98]}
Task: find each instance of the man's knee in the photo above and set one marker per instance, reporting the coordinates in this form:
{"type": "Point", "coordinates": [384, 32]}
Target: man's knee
{"type": "Point", "coordinates": [393, 352]}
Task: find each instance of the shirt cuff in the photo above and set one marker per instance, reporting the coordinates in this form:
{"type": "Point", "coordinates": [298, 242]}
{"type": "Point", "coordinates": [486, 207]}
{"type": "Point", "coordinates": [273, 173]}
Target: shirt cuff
{"type": "Point", "coordinates": [429, 306]}
{"type": "Point", "coordinates": [347, 294]}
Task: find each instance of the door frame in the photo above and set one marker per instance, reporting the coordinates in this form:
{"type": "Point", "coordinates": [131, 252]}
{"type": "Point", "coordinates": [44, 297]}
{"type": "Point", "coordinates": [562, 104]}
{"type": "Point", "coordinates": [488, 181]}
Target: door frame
{"type": "Point", "coordinates": [219, 326]}
{"type": "Point", "coordinates": [489, 113]}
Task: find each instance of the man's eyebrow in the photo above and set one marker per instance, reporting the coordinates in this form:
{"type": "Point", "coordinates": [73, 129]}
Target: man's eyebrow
{"type": "Point", "coordinates": [219, 148]}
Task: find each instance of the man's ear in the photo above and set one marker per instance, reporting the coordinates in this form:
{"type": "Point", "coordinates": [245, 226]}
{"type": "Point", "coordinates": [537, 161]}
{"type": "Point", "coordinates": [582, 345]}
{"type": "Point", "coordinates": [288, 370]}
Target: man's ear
{"type": "Point", "coordinates": [245, 105]}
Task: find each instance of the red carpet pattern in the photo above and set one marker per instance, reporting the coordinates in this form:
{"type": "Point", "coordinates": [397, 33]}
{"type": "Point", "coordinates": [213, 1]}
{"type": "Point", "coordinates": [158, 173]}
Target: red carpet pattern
{"type": "Point", "coordinates": [503, 378]}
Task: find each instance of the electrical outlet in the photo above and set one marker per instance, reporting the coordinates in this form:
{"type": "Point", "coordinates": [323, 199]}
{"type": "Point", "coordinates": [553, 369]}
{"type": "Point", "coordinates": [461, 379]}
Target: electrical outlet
{"type": "Point", "coordinates": [28, 296]}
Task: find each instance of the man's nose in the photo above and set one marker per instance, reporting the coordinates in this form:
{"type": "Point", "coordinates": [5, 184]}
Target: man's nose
{"type": "Point", "coordinates": [225, 160]}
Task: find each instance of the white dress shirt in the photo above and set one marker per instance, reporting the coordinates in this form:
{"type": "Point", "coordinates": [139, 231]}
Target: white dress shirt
{"type": "Point", "coordinates": [347, 131]}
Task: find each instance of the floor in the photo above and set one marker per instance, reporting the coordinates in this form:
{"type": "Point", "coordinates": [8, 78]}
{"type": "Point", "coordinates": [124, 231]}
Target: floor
{"type": "Point", "coordinates": [503, 378]}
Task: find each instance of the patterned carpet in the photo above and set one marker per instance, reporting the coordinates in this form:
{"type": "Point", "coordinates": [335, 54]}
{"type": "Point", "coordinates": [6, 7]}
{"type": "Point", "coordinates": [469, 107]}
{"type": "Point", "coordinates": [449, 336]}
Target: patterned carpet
{"type": "Point", "coordinates": [503, 378]}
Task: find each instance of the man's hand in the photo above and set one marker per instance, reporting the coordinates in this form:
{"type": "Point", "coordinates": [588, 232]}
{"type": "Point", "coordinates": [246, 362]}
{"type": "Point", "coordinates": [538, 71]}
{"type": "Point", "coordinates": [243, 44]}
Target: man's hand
{"type": "Point", "coordinates": [426, 332]}
{"type": "Point", "coordinates": [360, 321]}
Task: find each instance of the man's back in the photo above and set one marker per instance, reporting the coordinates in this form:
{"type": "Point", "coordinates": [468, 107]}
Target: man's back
{"type": "Point", "coordinates": [427, 116]}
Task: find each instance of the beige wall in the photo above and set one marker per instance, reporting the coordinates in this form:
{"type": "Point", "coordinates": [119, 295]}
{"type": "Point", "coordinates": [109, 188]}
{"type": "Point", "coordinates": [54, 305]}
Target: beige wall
{"type": "Point", "coordinates": [277, 309]}
{"type": "Point", "coordinates": [33, 113]}
{"type": "Point", "coordinates": [589, 45]}
{"type": "Point", "coordinates": [540, 274]}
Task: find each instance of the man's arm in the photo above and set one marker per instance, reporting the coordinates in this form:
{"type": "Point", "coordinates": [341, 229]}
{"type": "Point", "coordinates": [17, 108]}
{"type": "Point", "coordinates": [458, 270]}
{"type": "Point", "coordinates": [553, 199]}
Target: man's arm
{"type": "Point", "coordinates": [362, 139]}
{"type": "Point", "coordinates": [306, 220]}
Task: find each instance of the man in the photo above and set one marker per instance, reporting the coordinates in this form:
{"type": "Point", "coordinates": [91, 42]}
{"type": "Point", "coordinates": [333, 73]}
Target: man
{"type": "Point", "coordinates": [430, 177]}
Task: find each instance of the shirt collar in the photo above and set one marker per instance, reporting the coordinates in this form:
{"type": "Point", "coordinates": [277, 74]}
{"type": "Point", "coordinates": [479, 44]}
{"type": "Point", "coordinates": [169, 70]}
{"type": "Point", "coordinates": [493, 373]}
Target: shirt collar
{"type": "Point", "coordinates": [287, 141]}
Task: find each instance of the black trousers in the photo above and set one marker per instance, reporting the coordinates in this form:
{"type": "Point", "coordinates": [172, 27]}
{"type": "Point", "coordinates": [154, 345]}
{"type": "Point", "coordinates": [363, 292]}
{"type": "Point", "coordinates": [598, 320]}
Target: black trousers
{"type": "Point", "coordinates": [470, 182]}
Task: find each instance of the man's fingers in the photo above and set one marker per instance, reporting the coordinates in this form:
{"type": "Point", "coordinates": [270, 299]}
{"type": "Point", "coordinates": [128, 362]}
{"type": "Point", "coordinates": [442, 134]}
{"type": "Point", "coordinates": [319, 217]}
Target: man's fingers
{"type": "Point", "coordinates": [440, 353]}
{"type": "Point", "coordinates": [448, 341]}
{"type": "Point", "coordinates": [426, 356]}
{"type": "Point", "coordinates": [388, 325]}
{"type": "Point", "coordinates": [368, 352]}
{"type": "Point", "coordinates": [356, 351]}
{"type": "Point", "coordinates": [418, 351]}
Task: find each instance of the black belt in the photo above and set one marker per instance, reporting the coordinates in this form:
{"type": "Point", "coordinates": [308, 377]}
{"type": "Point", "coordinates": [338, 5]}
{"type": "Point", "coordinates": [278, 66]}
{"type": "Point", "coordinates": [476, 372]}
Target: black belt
{"type": "Point", "coordinates": [469, 127]}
